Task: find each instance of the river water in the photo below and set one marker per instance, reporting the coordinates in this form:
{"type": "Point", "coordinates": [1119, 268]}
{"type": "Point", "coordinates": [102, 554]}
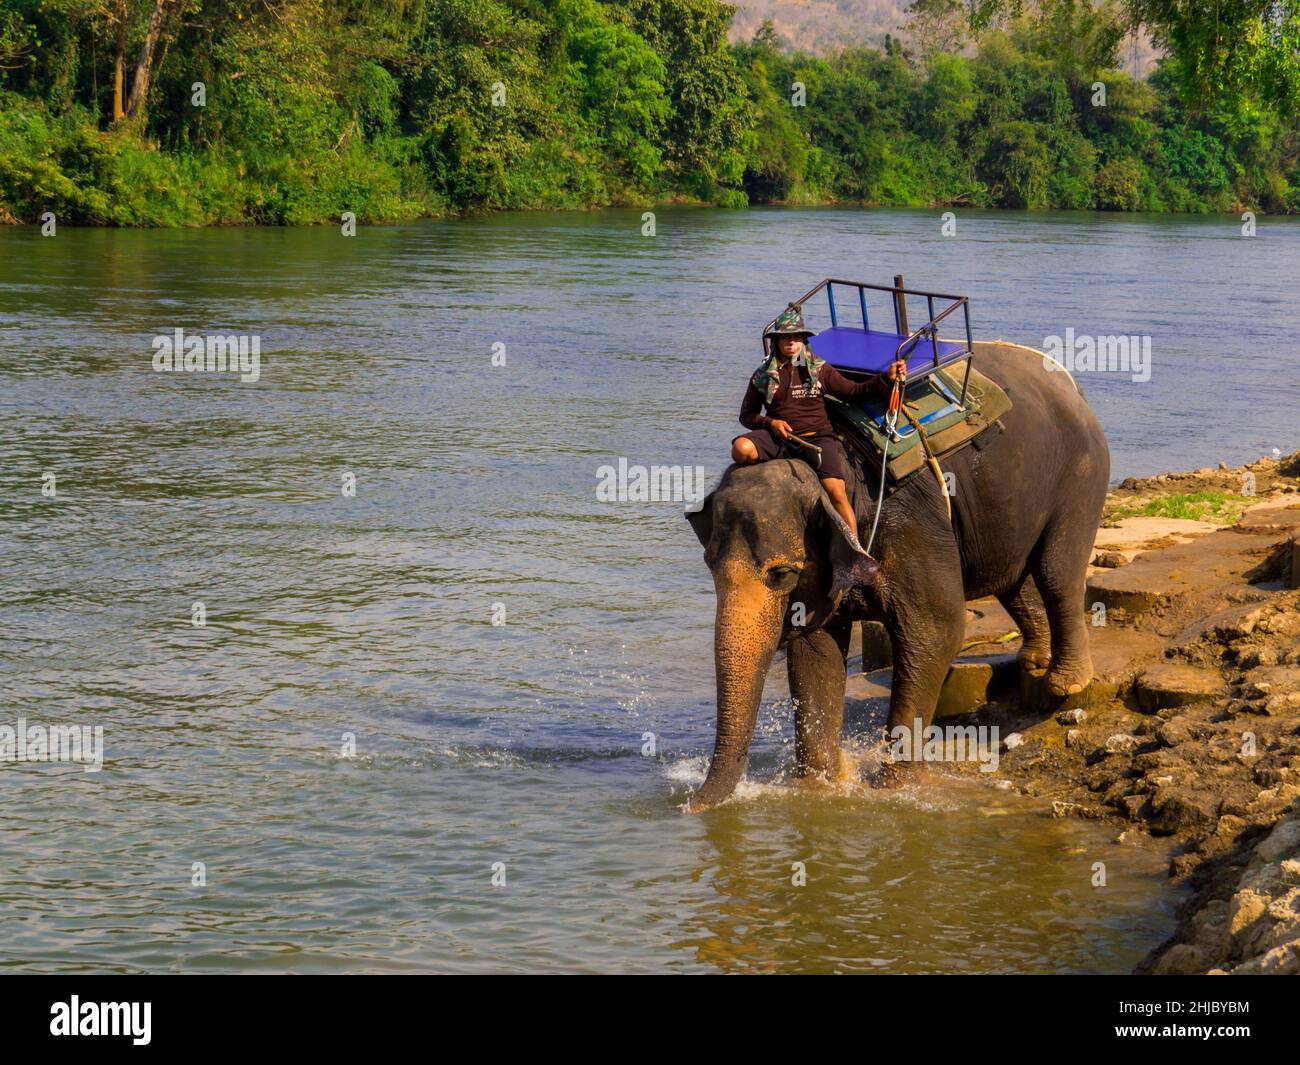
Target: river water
{"type": "Point", "coordinates": [233, 827]}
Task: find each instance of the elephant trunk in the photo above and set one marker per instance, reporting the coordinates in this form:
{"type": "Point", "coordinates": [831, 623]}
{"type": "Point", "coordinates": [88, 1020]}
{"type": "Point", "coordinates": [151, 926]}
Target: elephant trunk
{"type": "Point", "coordinates": [746, 633]}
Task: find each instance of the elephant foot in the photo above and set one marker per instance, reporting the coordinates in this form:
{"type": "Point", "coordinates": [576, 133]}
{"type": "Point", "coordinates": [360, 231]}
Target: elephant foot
{"type": "Point", "coordinates": [892, 775]}
{"type": "Point", "coordinates": [1062, 681]}
{"type": "Point", "coordinates": [813, 782]}
{"type": "Point", "coordinates": [829, 771]}
{"type": "Point", "coordinates": [1034, 658]}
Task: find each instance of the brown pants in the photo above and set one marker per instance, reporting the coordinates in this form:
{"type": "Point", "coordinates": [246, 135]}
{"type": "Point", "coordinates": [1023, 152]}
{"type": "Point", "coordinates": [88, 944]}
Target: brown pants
{"type": "Point", "coordinates": [770, 447]}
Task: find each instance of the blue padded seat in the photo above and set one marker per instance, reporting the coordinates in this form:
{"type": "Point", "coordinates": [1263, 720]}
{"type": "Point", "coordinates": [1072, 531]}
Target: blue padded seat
{"type": "Point", "coordinates": [847, 348]}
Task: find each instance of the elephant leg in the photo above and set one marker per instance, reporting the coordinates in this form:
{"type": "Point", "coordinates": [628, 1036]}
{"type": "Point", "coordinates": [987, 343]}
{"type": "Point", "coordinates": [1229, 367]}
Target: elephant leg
{"type": "Point", "coordinates": [926, 623]}
{"type": "Point", "coordinates": [1060, 575]}
{"type": "Point", "coordinates": [1025, 606]}
{"type": "Point", "coordinates": [817, 667]}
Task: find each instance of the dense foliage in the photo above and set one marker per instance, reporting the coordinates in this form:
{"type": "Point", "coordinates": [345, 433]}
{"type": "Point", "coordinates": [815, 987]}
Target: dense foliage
{"type": "Point", "coordinates": [189, 112]}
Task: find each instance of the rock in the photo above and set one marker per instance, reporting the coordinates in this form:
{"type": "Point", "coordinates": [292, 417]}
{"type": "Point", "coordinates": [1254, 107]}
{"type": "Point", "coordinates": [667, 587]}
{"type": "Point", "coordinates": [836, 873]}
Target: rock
{"type": "Point", "coordinates": [1172, 733]}
{"type": "Point", "coordinates": [1073, 738]}
{"type": "Point", "coordinates": [1264, 682]}
{"type": "Point", "coordinates": [1133, 806]}
{"type": "Point", "coordinates": [1229, 826]}
{"type": "Point", "coordinates": [1120, 742]}
{"type": "Point", "coordinates": [1272, 800]}
{"type": "Point", "coordinates": [1242, 626]}
{"type": "Point", "coordinates": [1280, 961]}
{"type": "Point", "coordinates": [1258, 656]}
{"type": "Point", "coordinates": [1282, 623]}
{"type": "Point", "coordinates": [1171, 684]}
{"type": "Point", "coordinates": [1182, 959]}
{"type": "Point", "coordinates": [1234, 633]}
{"type": "Point", "coordinates": [1071, 717]}
{"type": "Point", "coordinates": [1280, 704]}
{"type": "Point", "coordinates": [1284, 838]}
{"type": "Point", "coordinates": [965, 689]}
{"type": "Point", "coordinates": [1244, 911]}
{"type": "Point", "coordinates": [1013, 741]}
{"type": "Point", "coordinates": [1109, 560]}
{"type": "Point", "coordinates": [1102, 776]}
{"type": "Point", "coordinates": [1175, 809]}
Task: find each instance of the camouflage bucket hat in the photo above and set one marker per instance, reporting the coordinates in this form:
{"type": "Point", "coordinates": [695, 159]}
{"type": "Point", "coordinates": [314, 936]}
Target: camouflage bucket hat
{"type": "Point", "coordinates": [789, 323]}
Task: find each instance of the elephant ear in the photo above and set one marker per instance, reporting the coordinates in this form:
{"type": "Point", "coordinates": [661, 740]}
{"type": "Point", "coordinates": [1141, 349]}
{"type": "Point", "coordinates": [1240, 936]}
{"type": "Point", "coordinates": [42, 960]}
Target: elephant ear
{"type": "Point", "coordinates": [701, 518]}
{"type": "Point", "coordinates": [851, 566]}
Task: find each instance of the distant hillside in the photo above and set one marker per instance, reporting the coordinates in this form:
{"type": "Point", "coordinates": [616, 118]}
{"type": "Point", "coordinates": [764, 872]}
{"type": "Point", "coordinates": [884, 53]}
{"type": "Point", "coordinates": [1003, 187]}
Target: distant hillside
{"type": "Point", "coordinates": [819, 26]}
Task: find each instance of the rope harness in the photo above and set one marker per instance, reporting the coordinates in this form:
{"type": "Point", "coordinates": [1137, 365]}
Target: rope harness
{"type": "Point", "coordinates": [891, 434]}
{"type": "Point", "coordinates": [932, 459]}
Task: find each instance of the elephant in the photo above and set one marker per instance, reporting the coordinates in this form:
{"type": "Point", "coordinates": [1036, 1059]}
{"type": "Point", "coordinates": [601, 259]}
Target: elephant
{"type": "Point", "coordinates": [1026, 505]}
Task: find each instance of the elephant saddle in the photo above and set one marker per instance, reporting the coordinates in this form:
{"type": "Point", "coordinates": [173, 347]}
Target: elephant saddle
{"type": "Point", "coordinates": [936, 411]}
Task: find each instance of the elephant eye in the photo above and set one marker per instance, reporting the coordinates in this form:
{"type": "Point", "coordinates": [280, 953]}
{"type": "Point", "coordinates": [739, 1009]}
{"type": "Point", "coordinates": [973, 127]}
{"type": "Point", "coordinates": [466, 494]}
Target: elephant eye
{"type": "Point", "coordinates": [782, 578]}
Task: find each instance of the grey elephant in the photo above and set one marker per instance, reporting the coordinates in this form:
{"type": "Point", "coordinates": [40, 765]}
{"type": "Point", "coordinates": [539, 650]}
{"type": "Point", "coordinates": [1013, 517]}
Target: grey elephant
{"type": "Point", "coordinates": [1025, 512]}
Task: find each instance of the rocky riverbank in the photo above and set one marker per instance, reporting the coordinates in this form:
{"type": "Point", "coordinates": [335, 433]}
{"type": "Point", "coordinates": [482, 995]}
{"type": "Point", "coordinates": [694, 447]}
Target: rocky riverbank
{"type": "Point", "coordinates": [1191, 728]}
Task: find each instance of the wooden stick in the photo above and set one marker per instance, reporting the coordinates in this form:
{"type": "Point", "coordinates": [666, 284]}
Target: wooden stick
{"type": "Point", "coordinates": [901, 298]}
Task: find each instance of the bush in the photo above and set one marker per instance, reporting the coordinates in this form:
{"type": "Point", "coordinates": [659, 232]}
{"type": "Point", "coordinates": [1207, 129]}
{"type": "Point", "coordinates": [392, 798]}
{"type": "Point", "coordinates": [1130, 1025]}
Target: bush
{"type": "Point", "coordinates": [1119, 185]}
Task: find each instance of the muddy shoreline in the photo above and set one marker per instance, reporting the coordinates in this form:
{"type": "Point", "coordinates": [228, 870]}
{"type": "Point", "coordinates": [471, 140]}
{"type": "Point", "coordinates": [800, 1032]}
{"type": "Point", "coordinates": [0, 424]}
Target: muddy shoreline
{"type": "Point", "coordinates": [1190, 730]}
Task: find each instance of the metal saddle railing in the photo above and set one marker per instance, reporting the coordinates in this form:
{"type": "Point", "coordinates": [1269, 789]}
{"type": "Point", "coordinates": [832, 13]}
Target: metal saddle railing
{"type": "Point", "coordinates": [863, 351]}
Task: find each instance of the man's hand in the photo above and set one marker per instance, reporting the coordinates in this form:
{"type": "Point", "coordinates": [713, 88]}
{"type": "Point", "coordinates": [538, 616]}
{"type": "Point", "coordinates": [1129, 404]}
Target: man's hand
{"type": "Point", "coordinates": [897, 371]}
{"type": "Point", "coordinates": [781, 430]}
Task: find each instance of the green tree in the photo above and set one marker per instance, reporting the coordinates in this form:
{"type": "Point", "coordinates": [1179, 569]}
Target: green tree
{"type": "Point", "coordinates": [1016, 165]}
{"type": "Point", "coordinates": [710, 128]}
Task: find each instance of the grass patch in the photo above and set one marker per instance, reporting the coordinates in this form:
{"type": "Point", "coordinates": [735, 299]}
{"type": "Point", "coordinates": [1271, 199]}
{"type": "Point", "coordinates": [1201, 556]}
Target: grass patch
{"type": "Point", "coordinates": [1222, 508]}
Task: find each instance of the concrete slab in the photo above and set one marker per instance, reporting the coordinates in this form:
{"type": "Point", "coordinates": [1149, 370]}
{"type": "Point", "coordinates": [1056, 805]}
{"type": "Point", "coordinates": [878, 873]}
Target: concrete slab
{"type": "Point", "coordinates": [1205, 565]}
{"type": "Point", "coordinates": [1167, 684]}
{"type": "Point", "coordinates": [1271, 516]}
{"type": "Point", "coordinates": [1131, 535]}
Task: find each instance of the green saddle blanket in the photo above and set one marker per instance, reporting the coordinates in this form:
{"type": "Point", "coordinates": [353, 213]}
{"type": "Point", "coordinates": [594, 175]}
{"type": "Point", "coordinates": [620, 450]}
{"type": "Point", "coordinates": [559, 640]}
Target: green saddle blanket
{"type": "Point", "coordinates": [936, 403]}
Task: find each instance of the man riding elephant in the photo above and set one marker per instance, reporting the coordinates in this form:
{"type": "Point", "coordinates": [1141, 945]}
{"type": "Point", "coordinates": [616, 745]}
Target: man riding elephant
{"type": "Point", "coordinates": [793, 383]}
{"type": "Point", "coordinates": [1018, 521]}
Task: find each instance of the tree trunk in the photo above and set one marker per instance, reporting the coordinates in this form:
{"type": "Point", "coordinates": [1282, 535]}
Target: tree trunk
{"type": "Point", "coordinates": [119, 63]}
{"type": "Point", "coordinates": [136, 106]}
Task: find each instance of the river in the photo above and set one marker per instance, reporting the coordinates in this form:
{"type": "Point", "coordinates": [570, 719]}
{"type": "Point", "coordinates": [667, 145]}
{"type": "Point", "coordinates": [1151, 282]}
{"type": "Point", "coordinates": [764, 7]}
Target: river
{"type": "Point", "coordinates": [348, 766]}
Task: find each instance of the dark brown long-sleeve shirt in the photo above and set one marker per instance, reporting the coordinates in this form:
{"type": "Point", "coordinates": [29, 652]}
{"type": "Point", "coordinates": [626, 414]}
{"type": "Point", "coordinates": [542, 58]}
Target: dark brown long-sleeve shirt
{"type": "Point", "coordinates": [801, 401]}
